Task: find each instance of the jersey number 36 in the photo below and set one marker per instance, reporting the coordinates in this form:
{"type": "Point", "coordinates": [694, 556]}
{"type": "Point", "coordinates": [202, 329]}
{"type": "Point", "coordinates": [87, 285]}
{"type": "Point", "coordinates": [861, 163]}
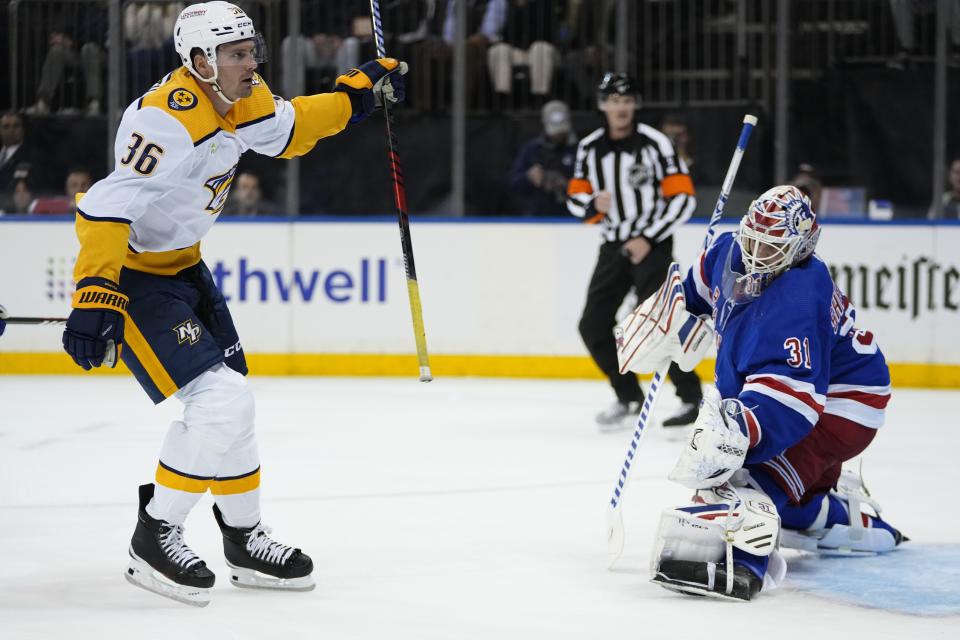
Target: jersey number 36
{"type": "Point", "coordinates": [146, 159]}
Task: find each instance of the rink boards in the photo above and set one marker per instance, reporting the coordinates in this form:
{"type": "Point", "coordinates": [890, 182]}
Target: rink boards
{"type": "Point", "coordinates": [500, 298]}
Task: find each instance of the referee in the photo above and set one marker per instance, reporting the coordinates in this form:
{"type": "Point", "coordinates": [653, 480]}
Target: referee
{"type": "Point", "coordinates": [628, 179]}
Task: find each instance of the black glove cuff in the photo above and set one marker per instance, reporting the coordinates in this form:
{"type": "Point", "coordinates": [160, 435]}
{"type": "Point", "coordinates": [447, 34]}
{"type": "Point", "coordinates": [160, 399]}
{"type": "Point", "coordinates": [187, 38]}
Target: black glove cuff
{"type": "Point", "coordinates": [94, 281]}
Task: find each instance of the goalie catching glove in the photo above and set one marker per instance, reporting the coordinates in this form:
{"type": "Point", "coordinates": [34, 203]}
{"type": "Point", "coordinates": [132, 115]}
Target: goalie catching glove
{"type": "Point", "coordinates": [94, 330]}
{"type": "Point", "coordinates": [372, 83]}
{"type": "Point", "coordinates": [661, 330]}
{"type": "Point", "coordinates": [723, 433]}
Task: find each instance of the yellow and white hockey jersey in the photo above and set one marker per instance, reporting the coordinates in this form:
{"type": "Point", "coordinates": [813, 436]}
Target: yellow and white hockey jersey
{"type": "Point", "coordinates": [175, 161]}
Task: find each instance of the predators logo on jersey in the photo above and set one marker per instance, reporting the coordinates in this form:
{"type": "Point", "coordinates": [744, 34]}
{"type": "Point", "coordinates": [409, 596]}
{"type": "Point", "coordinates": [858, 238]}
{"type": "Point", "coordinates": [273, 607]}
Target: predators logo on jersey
{"type": "Point", "coordinates": [181, 100]}
{"type": "Point", "coordinates": [186, 331]}
{"type": "Point", "coordinates": [219, 187]}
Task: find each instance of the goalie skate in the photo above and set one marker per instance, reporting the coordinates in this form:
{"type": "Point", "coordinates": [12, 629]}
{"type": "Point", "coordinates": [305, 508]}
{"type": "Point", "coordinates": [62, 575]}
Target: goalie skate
{"type": "Point", "coordinates": [861, 537]}
{"type": "Point", "coordinates": [844, 540]}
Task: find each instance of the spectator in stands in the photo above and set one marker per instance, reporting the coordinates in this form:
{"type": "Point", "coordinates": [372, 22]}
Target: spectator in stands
{"type": "Point", "coordinates": [905, 13]}
{"type": "Point", "coordinates": [544, 165]}
{"type": "Point", "coordinates": [432, 58]}
{"type": "Point", "coordinates": [150, 53]}
{"type": "Point", "coordinates": [807, 181]}
{"type": "Point", "coordinates": [246, 198]}
{"type": "Point", "coordinates": [83, 25]}
{"type": "Point", "coordinates": [79, 180]}
{"type": "Point", "coordinates": [330, 45]}
{"type": "Point", "coordinates": [592, 26]}
{"type": "Point", "coordinates": [14, 152]}
{"type": "Point", "coordinates": [951, 197]}
{"type": "Point", "coordinates": [675, 127]}
{"type": "Point", "coordinates": [531, 28]}
{"type": "Point", "coordinates": [21, 198]}
{"type": "Point", "coordinates": [410, 21]}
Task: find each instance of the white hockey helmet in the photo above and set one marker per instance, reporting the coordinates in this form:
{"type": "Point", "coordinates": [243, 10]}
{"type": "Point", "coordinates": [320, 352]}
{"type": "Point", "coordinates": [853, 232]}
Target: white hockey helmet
{"type": "Point", "coordinates": [206, 26]}
{"type": "Point", "coordinates": [778, 231]}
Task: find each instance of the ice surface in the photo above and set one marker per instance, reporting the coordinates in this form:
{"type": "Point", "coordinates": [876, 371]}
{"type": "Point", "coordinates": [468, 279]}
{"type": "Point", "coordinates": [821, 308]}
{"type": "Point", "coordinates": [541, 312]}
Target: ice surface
{"type": "Point", "coordinates": [456, 509]}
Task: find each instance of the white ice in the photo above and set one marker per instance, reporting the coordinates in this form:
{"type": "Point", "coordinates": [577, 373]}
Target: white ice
{"type": "Point", "coordinates": [459, 509]}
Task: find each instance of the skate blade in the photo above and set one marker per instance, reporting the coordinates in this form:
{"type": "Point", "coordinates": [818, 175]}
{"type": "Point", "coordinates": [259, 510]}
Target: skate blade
{"type": "Point", "coordinates": [676, 433]}
{"type": "Point", "coordinates": [691, 589]}
{"type": "Point", "coordinates": [849, 553]}
{"type": "Point", "coordinates": [140, 574]}
{"type": "Point", "coordinates": [250, 579]}
{"type": "Point", "coordinates": [625, 424]}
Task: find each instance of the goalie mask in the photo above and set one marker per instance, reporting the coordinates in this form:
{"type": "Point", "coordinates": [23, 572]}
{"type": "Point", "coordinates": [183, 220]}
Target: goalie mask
{"type": "Point", "coordinates": [779, 231]}
{"type": "Point", "coordinates": [208, 25]}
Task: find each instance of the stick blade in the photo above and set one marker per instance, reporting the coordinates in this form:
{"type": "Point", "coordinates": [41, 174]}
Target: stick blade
{"type": "Point", "coordinates": [615, 535]}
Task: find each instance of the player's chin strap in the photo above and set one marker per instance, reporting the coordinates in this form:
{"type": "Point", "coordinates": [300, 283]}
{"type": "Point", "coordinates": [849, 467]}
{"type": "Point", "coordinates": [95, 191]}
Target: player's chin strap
{"type": "Point", "coordinates": [215, 86]}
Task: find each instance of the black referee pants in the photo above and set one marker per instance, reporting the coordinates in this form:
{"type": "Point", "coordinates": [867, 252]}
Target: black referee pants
{"type": "Point", "coordinates": [611, 281]}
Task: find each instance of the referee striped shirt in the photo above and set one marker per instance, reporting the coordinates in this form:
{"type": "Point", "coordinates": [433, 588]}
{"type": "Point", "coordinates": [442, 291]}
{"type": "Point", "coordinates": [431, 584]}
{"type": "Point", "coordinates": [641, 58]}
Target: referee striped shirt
{"type": "Point", "coordinates": [650, 187]}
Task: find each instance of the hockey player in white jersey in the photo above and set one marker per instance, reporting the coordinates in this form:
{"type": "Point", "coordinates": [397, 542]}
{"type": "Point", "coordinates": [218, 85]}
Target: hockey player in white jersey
{"type": "Point", "coordinates": [799, 391]}
{"type": "Point", "coordinates": [144, 294]}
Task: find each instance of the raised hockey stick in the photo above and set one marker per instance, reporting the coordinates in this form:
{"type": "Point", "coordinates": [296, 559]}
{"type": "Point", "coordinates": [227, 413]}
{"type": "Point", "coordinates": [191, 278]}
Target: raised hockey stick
{"type": "Point", "coordinates": [108, 360]}
{"type": "Point", "coordinates": [400, 198]}
{"type": "Point", "coordinates": [615, 532]}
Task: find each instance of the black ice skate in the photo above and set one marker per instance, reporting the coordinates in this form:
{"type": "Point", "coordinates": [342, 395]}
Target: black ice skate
{"type": "Point", "coordinates": [162, 563]}
{"type": "Point", "coordinates": [707, 579]}
{"type": "Point", "coordinates": [686, 414]}
{"type": "Point", "coordinates": [256, 561]}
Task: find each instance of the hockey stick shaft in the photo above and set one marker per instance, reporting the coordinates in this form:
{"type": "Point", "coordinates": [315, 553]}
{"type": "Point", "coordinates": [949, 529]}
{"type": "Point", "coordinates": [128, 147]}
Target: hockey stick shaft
{"type": "Point", "coordinates": [35, 321]}
{"type": "Point", "coordinates": [615, 534]}
{"type": "Point", "coordinates": [749, 122]}
{"type": "Point", "coordinates": [109, 358]}
{"type": "Point", "coordinates": [400, 199]}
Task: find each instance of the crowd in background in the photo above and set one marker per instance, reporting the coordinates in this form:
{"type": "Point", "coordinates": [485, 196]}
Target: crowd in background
{"type": "Point", "coordinates": [521, 56]}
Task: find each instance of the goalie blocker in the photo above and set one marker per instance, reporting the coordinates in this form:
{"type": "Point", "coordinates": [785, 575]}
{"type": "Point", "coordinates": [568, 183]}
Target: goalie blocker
{"type": "Point", "coordinates": [661, 330]}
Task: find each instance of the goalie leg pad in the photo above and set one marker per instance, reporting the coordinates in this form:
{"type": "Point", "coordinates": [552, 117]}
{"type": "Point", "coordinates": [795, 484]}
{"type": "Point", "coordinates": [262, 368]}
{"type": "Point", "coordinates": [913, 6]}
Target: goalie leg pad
{"type": "Point", "coordinates": [707, 579]}
{"type": "Point", "coordinates": [723, 545]}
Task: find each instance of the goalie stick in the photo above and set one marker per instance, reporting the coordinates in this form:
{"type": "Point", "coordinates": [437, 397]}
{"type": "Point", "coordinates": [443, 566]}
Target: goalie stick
{"type": "Point", "coordinates": [400, 199]}
{"type": "Point", "coordinates": [615, 531]}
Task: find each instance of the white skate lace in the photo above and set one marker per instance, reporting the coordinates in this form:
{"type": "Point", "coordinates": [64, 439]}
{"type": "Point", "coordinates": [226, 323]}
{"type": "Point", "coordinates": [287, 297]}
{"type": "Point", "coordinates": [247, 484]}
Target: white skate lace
{"type": "Point", "coordinates": [171, 541]}
{"type": "Point", "coordinates": [261, 546]}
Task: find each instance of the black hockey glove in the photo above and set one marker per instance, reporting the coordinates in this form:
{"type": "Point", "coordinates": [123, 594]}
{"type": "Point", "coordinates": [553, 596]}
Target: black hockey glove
{"type": "Point", "coordinates": [372, 83]}
{"type": "Point", "coordinates": [94, 330]}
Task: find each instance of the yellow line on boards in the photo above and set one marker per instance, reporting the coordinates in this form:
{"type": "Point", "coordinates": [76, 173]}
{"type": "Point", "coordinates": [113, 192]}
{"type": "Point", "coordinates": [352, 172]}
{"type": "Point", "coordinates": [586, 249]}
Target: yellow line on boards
{"type": "Point", "coordinates": [945, 376]}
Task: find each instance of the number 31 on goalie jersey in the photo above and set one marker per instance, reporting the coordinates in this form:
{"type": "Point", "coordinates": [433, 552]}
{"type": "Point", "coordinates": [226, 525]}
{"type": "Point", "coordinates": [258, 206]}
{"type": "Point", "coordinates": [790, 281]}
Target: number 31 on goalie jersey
{"type": "Point", "coordinates": [146, 159]}
{"type": "Point", "coordinates": [799, 353]}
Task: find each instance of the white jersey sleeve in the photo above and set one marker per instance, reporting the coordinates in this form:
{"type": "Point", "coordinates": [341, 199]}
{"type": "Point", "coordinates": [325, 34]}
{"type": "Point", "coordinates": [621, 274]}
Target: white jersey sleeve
{"type": "Point", "coordinates": [152, 150]}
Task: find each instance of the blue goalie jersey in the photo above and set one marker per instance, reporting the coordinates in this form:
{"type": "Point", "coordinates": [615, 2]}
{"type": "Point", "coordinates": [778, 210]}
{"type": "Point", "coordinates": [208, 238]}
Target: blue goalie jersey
{"type": "Point", "coordinates": [790, 354]}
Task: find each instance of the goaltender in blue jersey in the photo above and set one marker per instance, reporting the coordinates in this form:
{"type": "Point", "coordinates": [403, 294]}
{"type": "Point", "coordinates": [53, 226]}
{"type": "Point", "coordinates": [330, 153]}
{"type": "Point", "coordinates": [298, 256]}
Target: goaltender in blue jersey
{"type": "Point", "coordinates": [800, 389]}
{"type": "Point", "coordinates": [144, 294]}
